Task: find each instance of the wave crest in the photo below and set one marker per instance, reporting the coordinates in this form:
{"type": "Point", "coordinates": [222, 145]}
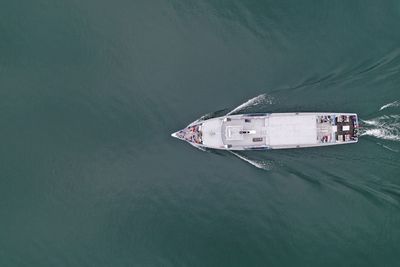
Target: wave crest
{"type": "Point", "coordinates": [260, 164]}
{"type": "Point", "coordinates": [393, 104]}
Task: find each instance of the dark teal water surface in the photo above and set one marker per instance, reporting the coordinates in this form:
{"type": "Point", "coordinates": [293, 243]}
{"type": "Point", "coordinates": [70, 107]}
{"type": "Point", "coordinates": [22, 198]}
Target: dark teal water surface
{"type": "Point", "coordinates": [91, 90]}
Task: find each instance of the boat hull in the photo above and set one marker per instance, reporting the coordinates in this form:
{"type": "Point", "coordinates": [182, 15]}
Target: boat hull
{"type": "Point", "coordinates": [263, 131]}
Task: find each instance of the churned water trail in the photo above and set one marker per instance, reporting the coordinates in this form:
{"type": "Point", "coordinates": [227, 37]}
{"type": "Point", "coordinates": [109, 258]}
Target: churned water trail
{"type": "Point", "coordinates": [385, 127]}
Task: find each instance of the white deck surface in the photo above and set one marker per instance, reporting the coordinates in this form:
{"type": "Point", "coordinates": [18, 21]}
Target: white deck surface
{"type": "Point", "coordinates": [233, 133]}
{"type": "Point", "coordinates": [211, 130]}
{"type": "Point", "coordinates": [254, 127]}
{"type": "Point", "coordinates": [286, 130]}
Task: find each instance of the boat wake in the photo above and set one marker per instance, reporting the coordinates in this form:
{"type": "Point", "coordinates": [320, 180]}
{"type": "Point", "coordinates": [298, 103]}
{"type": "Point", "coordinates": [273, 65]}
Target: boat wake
{"type": "Point", "coordinates": [386, 127]}
{"type": "Point", "coordinates": [388, 147]}
{"type": "Point", "coordinates": [209, 116]}
{"type": "Point", "coordinates": [260, 164]}
{"type": "Point", "coordinates": [253, 102]}
{"type": "Point", "coordinates": [393, 104]}
{"type": "Point", "coordinates": [199, 148]}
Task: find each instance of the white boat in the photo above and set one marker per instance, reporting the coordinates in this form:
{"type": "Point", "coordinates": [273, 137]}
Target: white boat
{"type": "Point", "coordinates": [272, 131]}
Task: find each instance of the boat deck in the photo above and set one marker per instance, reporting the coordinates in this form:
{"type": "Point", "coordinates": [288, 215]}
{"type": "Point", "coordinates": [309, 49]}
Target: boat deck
{"type": "Point", "coordinates": [291, 130]}
{"type": "Point", "coordinates": [244, 132]}
{"type": "Point", "coordinates": [273, 131]}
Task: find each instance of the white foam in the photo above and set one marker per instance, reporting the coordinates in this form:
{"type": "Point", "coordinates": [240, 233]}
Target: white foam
{"type": "Point", "coordinates": [264, 165]}
{"type": "Point", "coordinates": [370, 122]}
{"type": "Point", "coordinates": [386, 127]}
{"type": "Point", "coordinates": [199, 147]}
{"type": "Point", "coordinates": [382, 134]}
{"type": "Point", "coordinates": [255, 101]}
{"type": "Point", "coordinates": [393, 104]}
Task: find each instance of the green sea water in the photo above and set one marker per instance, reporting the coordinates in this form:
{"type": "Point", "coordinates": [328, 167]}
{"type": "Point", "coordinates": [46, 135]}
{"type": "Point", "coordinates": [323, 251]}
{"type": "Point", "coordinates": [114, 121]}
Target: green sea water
{"type": "Point", "coordinates": [90, 92]}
